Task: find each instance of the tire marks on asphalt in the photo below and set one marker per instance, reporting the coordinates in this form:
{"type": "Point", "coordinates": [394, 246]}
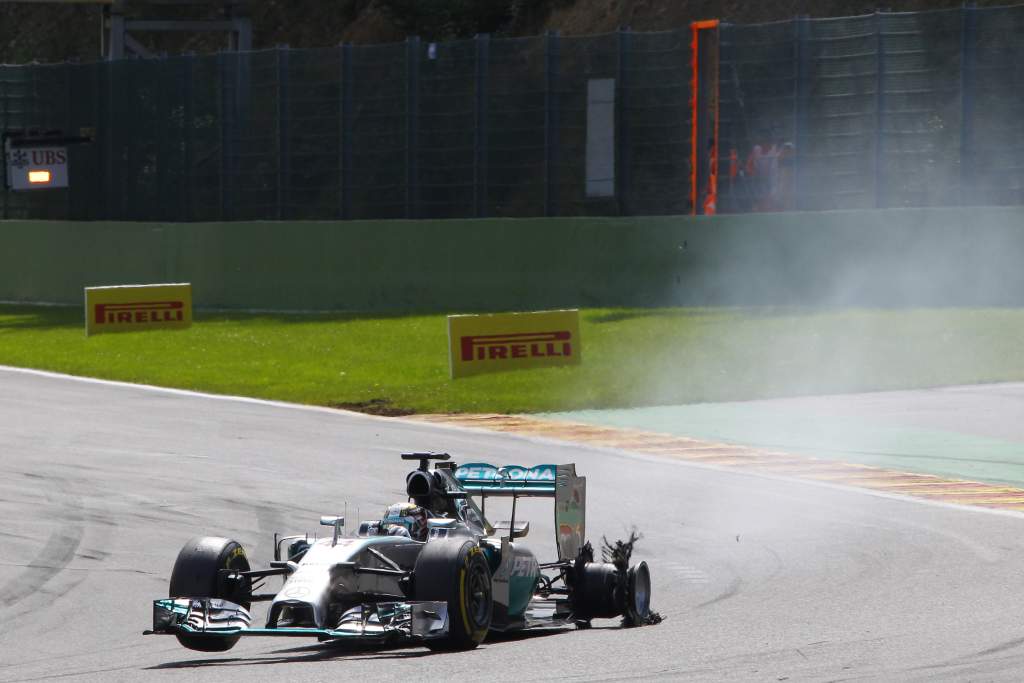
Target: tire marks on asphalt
{"type": "Point", "coordinates": [58, 550]}
{"type": "Point", "coordinates": [269, 520]}
{"type": "Point", "coordinates": [685, 573]}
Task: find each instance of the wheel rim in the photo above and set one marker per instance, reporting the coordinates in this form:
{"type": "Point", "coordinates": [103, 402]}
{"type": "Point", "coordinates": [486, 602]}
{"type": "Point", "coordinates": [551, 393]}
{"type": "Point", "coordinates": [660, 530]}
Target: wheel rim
{"type": "Point", "coordinates": [239, 592]}
{"type": "Point", "coordinates": [478, 594]}
{"type": "Point", "coordinates": [641, 589]}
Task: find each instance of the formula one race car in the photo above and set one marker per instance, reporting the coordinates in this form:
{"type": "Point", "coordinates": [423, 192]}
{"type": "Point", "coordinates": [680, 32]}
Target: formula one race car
{"type": "Point", "coordinates": [432, 571]}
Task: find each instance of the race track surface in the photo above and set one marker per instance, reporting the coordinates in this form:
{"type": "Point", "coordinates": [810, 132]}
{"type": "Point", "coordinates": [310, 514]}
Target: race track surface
{"type": "Point", "coordinates": [759, 578]}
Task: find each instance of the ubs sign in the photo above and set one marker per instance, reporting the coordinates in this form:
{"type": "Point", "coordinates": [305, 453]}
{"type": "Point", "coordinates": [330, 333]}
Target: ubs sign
{"type": "Point", "coordinates": [37, 167]}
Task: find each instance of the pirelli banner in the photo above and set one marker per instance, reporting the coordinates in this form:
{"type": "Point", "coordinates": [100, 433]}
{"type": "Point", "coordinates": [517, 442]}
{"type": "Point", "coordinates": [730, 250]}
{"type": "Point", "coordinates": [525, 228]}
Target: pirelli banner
{"type": "Point", "coordinates": [512, 341]}
{"type": "Point", "coordinates": [137, 307]}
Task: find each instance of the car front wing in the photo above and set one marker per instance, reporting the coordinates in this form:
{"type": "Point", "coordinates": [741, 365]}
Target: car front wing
{"type": "Point", "coordinates": [379, 622]}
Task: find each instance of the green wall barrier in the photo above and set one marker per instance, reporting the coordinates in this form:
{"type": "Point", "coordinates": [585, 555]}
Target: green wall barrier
{"type": "Point", "coordinates": [889, 257]}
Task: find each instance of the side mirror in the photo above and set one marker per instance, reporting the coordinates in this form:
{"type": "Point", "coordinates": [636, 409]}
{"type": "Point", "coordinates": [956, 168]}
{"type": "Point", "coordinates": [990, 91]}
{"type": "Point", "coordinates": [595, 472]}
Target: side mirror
{"type": "Point", "coordinates": [280, 540]}
{"type": "Point", "coordinates": [338, 522]}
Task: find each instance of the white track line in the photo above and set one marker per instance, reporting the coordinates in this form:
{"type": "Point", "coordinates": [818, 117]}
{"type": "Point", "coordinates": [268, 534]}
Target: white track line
{"type": "Point", "coordinates": [540, 440]}
{"type": "Point", "coordinates": [191, 393]}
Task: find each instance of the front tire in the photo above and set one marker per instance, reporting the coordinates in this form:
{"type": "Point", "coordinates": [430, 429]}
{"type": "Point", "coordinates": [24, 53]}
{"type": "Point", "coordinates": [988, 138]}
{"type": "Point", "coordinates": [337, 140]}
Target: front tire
{"type": "Point", "coordinates": [196, 574]}
{"type": "Point", "coordinates": [456, 571]}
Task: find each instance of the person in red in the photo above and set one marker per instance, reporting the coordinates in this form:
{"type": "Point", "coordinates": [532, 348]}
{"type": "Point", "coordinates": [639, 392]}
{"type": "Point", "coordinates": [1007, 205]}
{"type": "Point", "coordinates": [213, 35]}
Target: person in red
{"type": "Point", "coordinates": [709, 207]}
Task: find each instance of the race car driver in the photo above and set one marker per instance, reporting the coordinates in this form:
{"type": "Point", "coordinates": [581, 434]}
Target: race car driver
{"type": "Point", "coordinates": [406, 519]}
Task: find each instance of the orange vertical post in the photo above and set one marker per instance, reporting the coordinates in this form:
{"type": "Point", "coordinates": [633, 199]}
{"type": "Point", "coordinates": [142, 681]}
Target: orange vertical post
{"type": "Point", "coordinates": [704, 116]}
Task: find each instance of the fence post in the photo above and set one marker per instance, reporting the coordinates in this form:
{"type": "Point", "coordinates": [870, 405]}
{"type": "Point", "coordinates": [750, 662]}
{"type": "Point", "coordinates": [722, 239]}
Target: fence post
{"type": "Point", "coordinates": [225, 135]}
{"type": "Point", "coordinates": [968, 160]}
{"type": "Point", "coordinates": [162, 156]}
{"type": "Point", "coordinates": [4, 126]}
{"type": "Point", "coordinates": [412, 83]}
{"type": "Point", "coordinates": [112, 206]}
{"type": "Point", "coordinates": [802, 31]}
{"type": "Point", "coordinates": [241, 117]}
{"type": "Point", "coordinates": [345, 141]}
{"type": "Point", "coordinates": [621, 130]}
{"type": "Point", "coordinates": [69, 124]}
{"type": "Point", "coordinates": [189, 125]}
{"type": "Point", "coordinates": [283, 165]}
{"type": "Point", "coordinates": [550, 121]}
{"type": "Point", "coordinates": [483, 51]}
{"type": "Point", "coordinates": [880, 195]}
{"type": "Point", "coordinates": [99, 202]}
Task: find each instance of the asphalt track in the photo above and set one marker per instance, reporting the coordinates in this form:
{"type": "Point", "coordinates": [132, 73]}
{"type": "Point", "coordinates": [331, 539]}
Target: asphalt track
{"type": "Point", "coordinates": [759, 578]}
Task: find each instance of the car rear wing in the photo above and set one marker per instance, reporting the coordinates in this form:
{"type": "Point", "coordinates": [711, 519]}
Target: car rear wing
{"type": "Point", "coordinates": [510, 480]}
{"type": "Point", "coordinates": [541, 481]}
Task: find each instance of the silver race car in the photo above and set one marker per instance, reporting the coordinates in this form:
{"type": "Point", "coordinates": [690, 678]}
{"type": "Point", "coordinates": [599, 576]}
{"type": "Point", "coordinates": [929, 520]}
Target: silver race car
{"type": "Point", "coordinates": [432, 570]}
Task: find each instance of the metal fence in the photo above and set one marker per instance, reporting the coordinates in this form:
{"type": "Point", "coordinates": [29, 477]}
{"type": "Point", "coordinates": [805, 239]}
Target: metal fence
{"type": "Point", "coordinates": [481, 127]}
{"type": "Point", "coordinates": [884, 110]}
{"type": "Point", "coordinates": [891, 109]}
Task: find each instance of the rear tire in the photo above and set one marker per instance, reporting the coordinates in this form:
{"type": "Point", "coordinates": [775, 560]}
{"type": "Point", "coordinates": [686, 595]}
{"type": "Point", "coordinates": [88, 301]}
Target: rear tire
{"type": "Point", "coordinates": [456, 572]}
{"type": "Point", "coordinates": [594, 591]}
{"type": "Point", "coordinates": [196, 574]}
{"type": "Point", "coordinates": [600, 590]}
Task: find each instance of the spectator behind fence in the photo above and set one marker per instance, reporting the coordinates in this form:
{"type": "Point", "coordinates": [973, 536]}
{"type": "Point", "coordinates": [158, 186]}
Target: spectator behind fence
{"type": "Point", "coordinates": [762, 173]}
{"type": "Point", "coordinates": [784, 196]}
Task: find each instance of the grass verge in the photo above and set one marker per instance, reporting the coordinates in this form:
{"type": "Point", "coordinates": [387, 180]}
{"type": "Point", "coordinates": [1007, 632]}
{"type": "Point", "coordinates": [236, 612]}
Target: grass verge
{"type": "Point", "coordinates": [631, 357]}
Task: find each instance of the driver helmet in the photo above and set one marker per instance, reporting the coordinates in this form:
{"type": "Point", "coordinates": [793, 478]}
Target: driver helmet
{"type": "Point", "coordinates": [408, 516]}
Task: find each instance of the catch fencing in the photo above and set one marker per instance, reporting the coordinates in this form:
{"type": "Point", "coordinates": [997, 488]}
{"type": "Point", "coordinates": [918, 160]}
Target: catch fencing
{"type": "Point", "coordinates": [884, 110]}
{"type": "Point", "coordinates": [473, 128]}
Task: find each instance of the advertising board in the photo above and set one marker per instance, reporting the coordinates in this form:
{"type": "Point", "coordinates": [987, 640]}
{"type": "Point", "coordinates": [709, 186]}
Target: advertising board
{"type": "Point", "coordinates": [126, 308]}
{"type": "Point", "coordinates": [512, 341]}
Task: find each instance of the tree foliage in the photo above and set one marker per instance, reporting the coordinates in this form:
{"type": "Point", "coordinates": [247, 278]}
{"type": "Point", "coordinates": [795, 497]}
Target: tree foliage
{"type": "Point", "coordinates": [446, 19]}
